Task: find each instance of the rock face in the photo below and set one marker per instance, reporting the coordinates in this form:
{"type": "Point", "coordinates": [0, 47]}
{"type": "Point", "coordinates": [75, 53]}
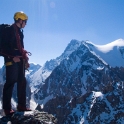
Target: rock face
{"type": "Point", "coordinates": [32, 117]}
{"type": "Point", "coordinates": [105, 107]}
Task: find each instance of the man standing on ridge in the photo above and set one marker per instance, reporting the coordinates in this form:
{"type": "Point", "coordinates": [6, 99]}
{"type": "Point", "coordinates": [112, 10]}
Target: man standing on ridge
{"type": "Point", "coordinates": [16, 61]}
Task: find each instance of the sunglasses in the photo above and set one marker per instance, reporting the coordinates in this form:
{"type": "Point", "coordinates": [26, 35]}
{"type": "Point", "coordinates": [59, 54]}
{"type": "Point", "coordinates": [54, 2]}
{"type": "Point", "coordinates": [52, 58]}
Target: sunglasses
{"type": "Point", "coordinates": [25, 21]}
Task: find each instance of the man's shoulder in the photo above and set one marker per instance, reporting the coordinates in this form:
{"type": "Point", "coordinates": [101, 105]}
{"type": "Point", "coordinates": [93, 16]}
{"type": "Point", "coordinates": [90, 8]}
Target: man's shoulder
{"type": "Point", "coordinates": [4, 27]}
{"type": "Point", "coordinates": [9, 28]}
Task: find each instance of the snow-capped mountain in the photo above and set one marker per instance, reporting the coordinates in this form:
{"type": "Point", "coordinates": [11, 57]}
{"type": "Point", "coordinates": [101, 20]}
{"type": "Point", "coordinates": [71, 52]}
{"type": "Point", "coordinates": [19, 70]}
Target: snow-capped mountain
{"type": "Point", "coordinates": [112, 54]}
{"type": "Point", "coordinates": [88, 68]}
{"type": "Point", "coordinates": [30, 72]}
{"type": "Point", "coordinates": [33, 68]}
{"type": "Point", "coordinates": [80, 64]}
{"type": "Point", "coordinates": [37, 79]}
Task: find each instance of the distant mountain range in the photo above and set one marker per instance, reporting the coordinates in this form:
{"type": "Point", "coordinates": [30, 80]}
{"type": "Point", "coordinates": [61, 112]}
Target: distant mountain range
{"type": "Point", "coordinates": [84, 85]}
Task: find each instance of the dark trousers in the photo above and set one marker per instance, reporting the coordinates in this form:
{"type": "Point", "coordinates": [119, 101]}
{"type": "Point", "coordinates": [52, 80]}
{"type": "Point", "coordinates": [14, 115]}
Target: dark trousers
{"type": "Point", "coordinates": [14, 73]}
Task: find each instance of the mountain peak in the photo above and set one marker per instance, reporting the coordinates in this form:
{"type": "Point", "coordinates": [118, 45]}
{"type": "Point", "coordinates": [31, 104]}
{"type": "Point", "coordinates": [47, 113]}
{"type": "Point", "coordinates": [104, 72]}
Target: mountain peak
{"type": "Point", "coordinates": [110, 46]}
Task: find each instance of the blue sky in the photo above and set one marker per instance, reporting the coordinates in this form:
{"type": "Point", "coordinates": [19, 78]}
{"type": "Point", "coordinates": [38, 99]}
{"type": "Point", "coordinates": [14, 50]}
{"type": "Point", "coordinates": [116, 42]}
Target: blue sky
{"type": "Point", "coordinates": [53, 24]}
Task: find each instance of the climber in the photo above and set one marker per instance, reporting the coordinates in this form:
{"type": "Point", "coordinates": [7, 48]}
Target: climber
{"type": "Point", "coordinates": [16, 61]}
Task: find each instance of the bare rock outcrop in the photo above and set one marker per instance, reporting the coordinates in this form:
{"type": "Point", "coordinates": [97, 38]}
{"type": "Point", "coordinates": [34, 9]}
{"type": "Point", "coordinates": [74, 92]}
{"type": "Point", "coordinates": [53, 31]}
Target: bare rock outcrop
{"type": "Point", "coordinates": [31, 117]}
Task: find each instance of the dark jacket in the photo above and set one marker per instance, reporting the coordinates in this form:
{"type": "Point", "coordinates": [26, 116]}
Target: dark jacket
{"type": "Point", "coordinates": [11, 43]}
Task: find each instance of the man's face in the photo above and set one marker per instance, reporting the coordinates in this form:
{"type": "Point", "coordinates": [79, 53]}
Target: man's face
{"type": "Point", "coordinates": [23, 23]}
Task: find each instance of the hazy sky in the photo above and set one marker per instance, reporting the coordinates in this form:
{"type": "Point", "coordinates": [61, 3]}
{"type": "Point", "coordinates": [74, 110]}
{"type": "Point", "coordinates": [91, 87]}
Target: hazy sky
{"type": "Point", "coordinates": [53, 24]}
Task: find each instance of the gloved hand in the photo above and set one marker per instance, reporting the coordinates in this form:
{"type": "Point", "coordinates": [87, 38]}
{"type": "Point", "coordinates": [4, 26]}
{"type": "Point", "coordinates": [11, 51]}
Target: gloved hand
{"type": "Point", "coordinates": [27, 65]}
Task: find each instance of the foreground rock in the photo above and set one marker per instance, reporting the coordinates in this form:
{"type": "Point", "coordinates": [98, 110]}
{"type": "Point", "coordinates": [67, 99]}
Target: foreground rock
{"type": "Point", "coordinates": [31, 117]}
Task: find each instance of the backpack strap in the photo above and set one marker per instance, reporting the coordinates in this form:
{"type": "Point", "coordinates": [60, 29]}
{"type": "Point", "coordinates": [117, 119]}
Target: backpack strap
{"type": "Point", "coordinates": [17, 38]}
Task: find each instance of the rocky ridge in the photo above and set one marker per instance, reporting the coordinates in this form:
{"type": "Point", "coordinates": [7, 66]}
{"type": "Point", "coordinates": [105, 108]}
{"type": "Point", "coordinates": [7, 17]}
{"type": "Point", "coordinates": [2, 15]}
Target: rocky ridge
{"type": "Point", "coordinates": [103, 107]}
{"type": "Point", "coordinates": [32, 117]}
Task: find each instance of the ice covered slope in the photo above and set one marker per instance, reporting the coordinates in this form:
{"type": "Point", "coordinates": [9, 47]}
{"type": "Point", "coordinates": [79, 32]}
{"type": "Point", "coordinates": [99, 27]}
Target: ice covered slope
{"type": "Point", "coordinates": [37, 79]}
{"type": "Point", "coordinates": [112, 53]}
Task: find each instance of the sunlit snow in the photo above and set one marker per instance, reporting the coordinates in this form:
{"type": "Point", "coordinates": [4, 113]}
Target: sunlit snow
{"type": "Point", "coordinates": [108, 47]}
{"type": "Point", "coordinates": [112, 53]}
